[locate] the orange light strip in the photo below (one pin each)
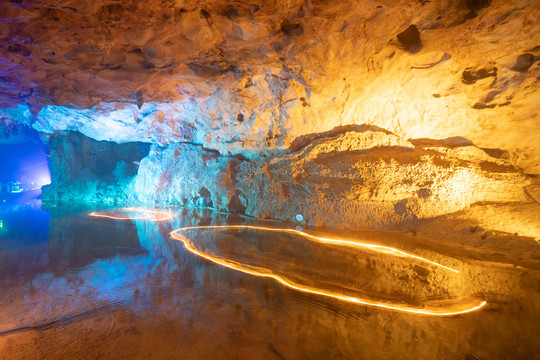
(293, 285)
(152, 215)
(323, 240)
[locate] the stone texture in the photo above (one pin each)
(85, 169)
(375, 180)
(410, 39)
(355, 178)
(360, 114)
(172, 71)
(13, 132)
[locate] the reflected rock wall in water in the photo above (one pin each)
(75, 242)
(360, 273)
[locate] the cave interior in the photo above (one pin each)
(414, 124)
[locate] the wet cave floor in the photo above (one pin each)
(119, 286)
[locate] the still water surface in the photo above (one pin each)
(78, 287)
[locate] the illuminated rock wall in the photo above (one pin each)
(85, 169)
(13, 132)
(354, 176)
(359, 177)
(374, 179)
(277, 108)
(187, 174)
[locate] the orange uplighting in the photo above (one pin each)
(261, 272)
(140, 214)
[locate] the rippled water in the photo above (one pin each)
(78, 287)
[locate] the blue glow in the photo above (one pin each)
(24, 167)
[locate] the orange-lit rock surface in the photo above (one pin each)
(241, 77)
(354, 177)
(357, 114)
(369, 179)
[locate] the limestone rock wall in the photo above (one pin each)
(355, 177)
(13, 132)
(187, 174)
(351, 113)
(85, 169)
(374, 179)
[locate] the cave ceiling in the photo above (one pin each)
(251, 77)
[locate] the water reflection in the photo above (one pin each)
(94, 287)
(351, 271)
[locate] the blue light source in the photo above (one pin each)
(24, 167)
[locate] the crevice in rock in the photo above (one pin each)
(304, 140)
(236, 205)
(410, 39)
(524, 62)
(471, 75)
(474, 6)
(452, 142)
(291, 29)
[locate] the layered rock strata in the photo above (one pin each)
(357, 177)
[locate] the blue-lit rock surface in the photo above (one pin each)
(85, 169)
(186, 174)
(15, 132)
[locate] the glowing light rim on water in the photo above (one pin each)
(291, 284)
(151, 215)
(261, 272)
(340, 242)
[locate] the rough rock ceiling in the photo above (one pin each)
(249, 77)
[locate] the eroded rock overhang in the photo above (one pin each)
(250, 77)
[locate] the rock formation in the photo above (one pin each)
(358, 177)
(358, 114)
